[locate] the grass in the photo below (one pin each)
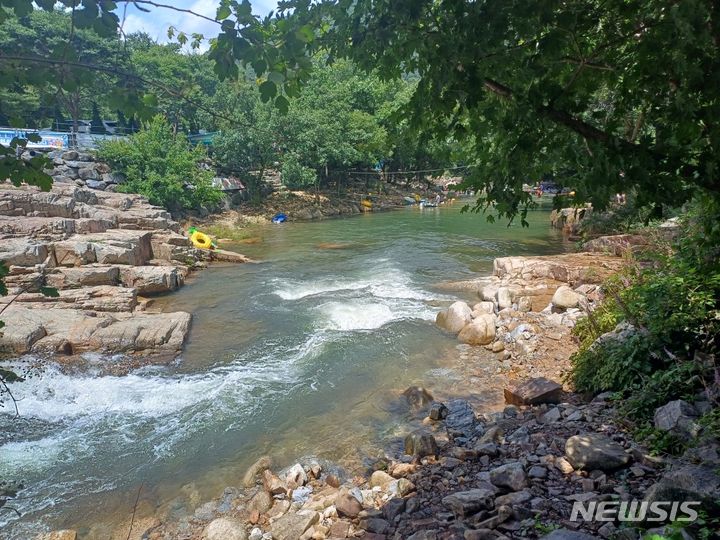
(235, 234)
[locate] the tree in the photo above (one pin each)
(247, 145)
(56, 46)
(96, 124)
(190, 75)
(59, 123)
(122, 124)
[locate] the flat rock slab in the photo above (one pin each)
(687, 482)
(116, 246)
(595, 451)
(534, 392)
(223, 255)
(75, 331)
(572, 268)
(161, 332)
(83, 276)
(98, 298)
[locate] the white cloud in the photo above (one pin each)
(158, 20)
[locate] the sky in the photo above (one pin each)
(156, 22)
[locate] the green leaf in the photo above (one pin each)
(282, 104)
(50, 292)
(276, 77)
(223, 12)
(268, 90)
(305, 34)
(150, 100)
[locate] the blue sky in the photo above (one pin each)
(156, 22)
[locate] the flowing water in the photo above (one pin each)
(302, 354)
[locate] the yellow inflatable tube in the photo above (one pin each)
(200, 240)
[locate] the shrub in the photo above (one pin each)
(673, 307)
(164, 167)
(294, 174)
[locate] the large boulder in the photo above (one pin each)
(511, 476)
(295, 476)
(460, 420)
(381, 479)
(22, 252)
(347, 505)
(678, 417)
(595, 451)
(250, 477)
(163, 333)
(454, 318)
(225, 529)
(687, 483)
(504, 298)
(534, 392)
(467, 503)
(481, 331)
(420, 443)
(83, 276)
(292, 525)
(483, 307)
(617, 244)
(566, 298)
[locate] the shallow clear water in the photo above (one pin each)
(304, 353)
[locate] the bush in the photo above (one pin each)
(294, 174)
(623, 218)
(163, 167)
(673, 309)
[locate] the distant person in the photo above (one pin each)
(438, 199)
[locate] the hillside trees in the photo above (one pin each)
(341, 121)
(47, 37)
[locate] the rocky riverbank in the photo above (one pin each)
(307, 205)
(82, 266)
(512, 470)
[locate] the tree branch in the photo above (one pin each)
(167, 6)
(593, 134)
(121, 74)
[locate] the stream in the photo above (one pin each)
(303, 354)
